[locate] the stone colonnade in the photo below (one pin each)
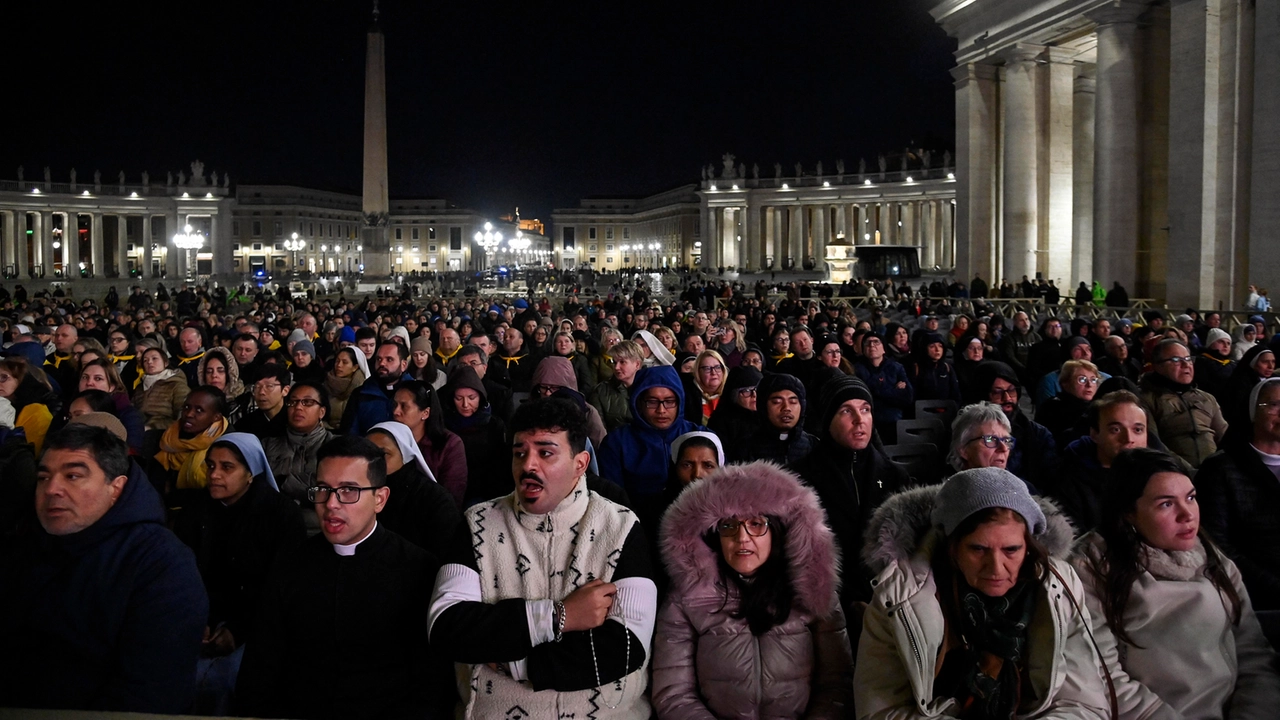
(765, 229)
(42, 242)
(1130, 141)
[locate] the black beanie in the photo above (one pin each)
(772, 383)
(836, 392)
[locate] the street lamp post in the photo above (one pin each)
(489, 240)
(519, 244)
(295, 245)
(190, 241)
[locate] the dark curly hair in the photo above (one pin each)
(553, 414)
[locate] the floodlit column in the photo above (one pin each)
(795, 249)
(728, 238)
(977, 105)
(146, 246)
(1058, 74)
(1021, 131)
(22, 255)
(770, 236)
(710, 238)
(71, 245)
(122, 246)
(805, 229)
(10, 238)
(851, 233)
(819, 235)
(220, 246)
(99, 256)
(1264, 211)
(44, 231)
(950, 243)
(753, 239)
(172, 268)
(909, 224)
(1082, 178)
(886, 215)
(1116, 149)
(928, 238)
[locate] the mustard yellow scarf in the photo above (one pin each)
(186, 455)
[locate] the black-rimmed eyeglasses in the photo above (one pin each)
(756, 527)
(347, 494)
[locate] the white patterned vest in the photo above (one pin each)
(519, 555)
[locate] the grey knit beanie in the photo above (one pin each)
(969, 491)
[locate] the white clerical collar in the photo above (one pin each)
(349, 550)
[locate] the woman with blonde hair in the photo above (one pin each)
(730, 343)
(709, 376)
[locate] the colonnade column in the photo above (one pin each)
(929, 237)
(45, 233)
(10, 239)
(950, 242)
(753, 243)
(769, 239)
(1059, 73)
(909, 224)
(851, 235)
(1082, 105)
(1115, 149)
(122, 246)
(97, 254)
(819, 236)
(1019, 161)
(1264, 210)
(885, 214)
(977, 103)
(795, 238)
(146, 247)
(21, 255)
(728, 238)
(172, 266)
(710, 238)
(71, 245)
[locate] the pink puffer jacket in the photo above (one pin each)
(706, 663)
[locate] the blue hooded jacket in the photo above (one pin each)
(636, 455)
(108, 618)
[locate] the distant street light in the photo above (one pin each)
(191, 242)
(295, 245)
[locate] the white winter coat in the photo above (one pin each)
(1192, 662)
(904, 628)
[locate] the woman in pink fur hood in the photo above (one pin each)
(752, 626)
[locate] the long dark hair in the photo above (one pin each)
(1035, 566)
(1121, 565)
(425, 396)
(765, 600)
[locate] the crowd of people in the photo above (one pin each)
(713, 506)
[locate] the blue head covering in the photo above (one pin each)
(636, 456)
(251, 450)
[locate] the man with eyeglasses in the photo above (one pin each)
(1187, 418)
(1035, 451)
(548, 594)
(293, 455)
(636, 456)
(887, 380)
(343, 626)
(267, 419)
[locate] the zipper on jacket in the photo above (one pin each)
(911, 638)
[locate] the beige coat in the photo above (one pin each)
(904, 628)
(1190, 662)
(161, 404)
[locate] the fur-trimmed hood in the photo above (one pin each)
(758, 488)
(903, 526)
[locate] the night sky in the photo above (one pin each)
(536, 105)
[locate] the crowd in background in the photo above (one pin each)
(907, 508)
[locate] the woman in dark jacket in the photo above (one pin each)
(1257, 365)
(468, 415)
(419, 509)
(417, 405)
(236, 527)
(931, 375)
(735, 419)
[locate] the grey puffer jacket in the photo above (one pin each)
(904, 630)
(706, 663)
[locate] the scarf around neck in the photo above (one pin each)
(994, 631)
(1180, 565)
(186, 455)
(149, 381)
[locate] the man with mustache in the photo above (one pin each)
(550, 587)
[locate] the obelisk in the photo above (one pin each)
(374, 234)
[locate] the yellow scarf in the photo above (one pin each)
(186, 455)
(56, 360)
(121, 358)
(513, 359)
(780, 358)
(185, 360)
(446, 358)
(275, 345)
